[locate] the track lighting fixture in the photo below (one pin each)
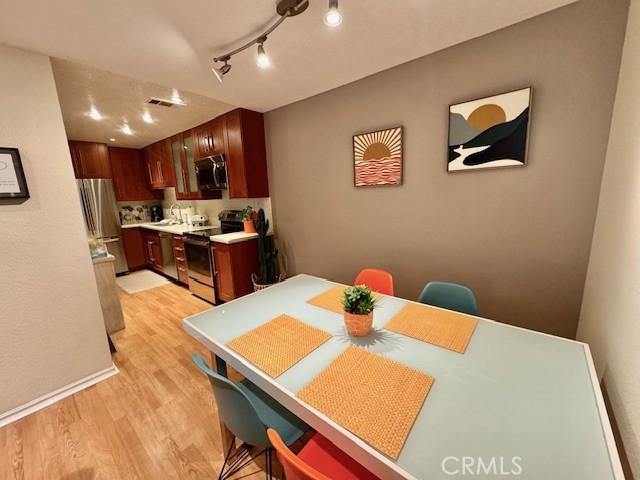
(284, 8)
(333, 18)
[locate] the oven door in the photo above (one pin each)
(200, 269)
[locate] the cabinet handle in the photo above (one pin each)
(182, 269)
(180, 259)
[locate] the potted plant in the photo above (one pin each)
(358, 303)
(267, 255)
(248, 216)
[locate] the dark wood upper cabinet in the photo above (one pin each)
(158, 165)
(90, 160)
(129, 178)
(246, 154)
(209, 138)
(184, 155)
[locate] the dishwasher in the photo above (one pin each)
(168, 258)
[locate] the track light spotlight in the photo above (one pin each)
(220, 72)
(333, 18)
(263, 58)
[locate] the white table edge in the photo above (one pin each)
(614, 456)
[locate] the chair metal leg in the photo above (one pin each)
(269, 463)
(240, 461)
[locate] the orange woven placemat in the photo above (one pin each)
(376, 398)
(439, 327)
(329, 299)
(279, 344)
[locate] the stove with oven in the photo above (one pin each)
(199, 252)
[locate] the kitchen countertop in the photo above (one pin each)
(108, 258)
(179, 229)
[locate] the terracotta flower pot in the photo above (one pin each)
(358, 325)
(248, 226)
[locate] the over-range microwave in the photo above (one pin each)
(211, 172)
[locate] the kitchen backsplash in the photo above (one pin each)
(134, 214)
(211, 208)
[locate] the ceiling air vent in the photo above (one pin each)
(164, 103)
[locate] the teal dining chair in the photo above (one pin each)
(248, 412)
(452, 296)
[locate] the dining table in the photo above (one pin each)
(514, 403)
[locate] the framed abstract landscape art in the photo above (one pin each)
(377, 158)
(491, 132)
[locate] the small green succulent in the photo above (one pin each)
(358, 300)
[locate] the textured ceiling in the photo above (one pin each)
(119, 99)
(171, 43)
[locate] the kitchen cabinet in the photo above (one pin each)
(134, 248)
(184, 156)
(89, 159)
(181, 259)
(245, 154)
(129, 179)
(234, 264)
(152, 249)
(159, 170)
(209, 138)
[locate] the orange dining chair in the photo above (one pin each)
(377, 280)
(318, 460)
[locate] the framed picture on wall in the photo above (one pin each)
(13, 185)
(377, 158)
(490, 132)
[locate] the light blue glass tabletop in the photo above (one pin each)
(517, 403)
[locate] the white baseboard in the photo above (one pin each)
(45, 400)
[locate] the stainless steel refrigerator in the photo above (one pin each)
(101, 217)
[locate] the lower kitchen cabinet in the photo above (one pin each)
(181, 259)
(234, 264)
(134, 248)
(152, 249)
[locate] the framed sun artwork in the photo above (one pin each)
(377, 158)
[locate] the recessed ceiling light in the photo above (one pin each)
(112, 139)
(126, 129)
(95, 114)
(176, 98)
(146, 116)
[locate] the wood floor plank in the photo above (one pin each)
(156, 419)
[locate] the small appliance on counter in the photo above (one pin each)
(199, 220)
(155, 212)
(199, 251)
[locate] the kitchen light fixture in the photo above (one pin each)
(176, 98)
(146, 117)
(220, 72)
(95, 114)
(126, 129)
(263, 58)
(112, 139)
(284, 8)
(333, 18)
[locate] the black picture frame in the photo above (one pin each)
(23, 190)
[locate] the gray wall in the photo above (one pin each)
(519, 237)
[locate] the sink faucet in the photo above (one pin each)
(179, 212)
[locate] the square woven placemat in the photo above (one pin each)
(375, 398)
(279, 344)
(329, 299)
(444, 328)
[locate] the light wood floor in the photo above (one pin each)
(156, 419)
